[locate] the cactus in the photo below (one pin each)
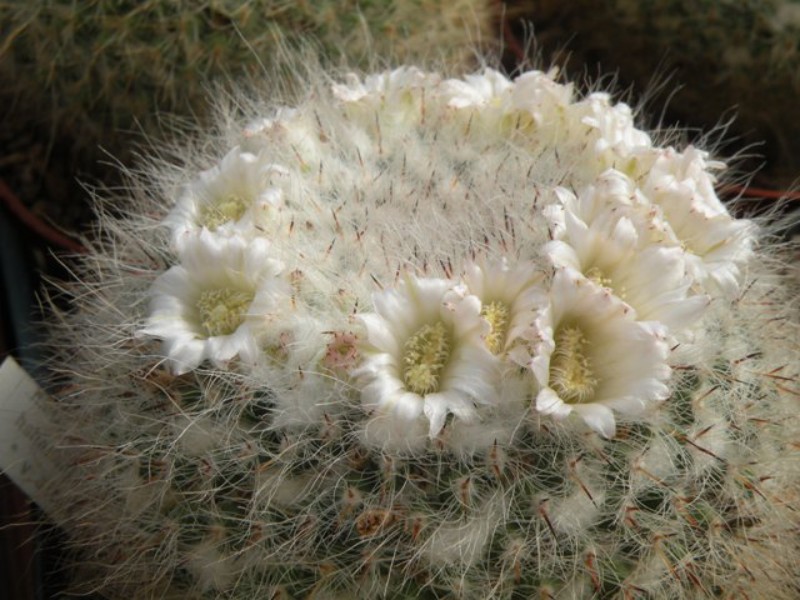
(96, 71)
(426, 336)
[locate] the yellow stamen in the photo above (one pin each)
(597, 275)
(223, 310)
(497, 315)
(571, 374)
(427, 353)
(222, 210)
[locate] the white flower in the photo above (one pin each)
(614, 137)
(234, 197)
(593, 358)
(604, 236)
(386, 105)
(424, 355)
(489, 88)
(541, 96)
(609, 191)
(689, 170)
(510, 297)
(388, 86)
(717, 245)
(530, 105)
(213, 304)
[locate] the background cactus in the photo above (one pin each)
(107, 67)
(724, 59)
(188, 472)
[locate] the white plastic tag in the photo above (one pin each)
(23, 448)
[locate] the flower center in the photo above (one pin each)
(222, 210)
(426, 355)
(571, 374)
(223, 310)
(497, 315)
(599, 276)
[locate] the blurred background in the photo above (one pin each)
(85, 85)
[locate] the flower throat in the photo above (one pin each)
(427, 353)
(223, 310)
(571, 373)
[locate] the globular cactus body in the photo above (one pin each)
(423, 337)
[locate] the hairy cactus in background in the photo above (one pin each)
(417, 336)
(726, 56)
(93, 70)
